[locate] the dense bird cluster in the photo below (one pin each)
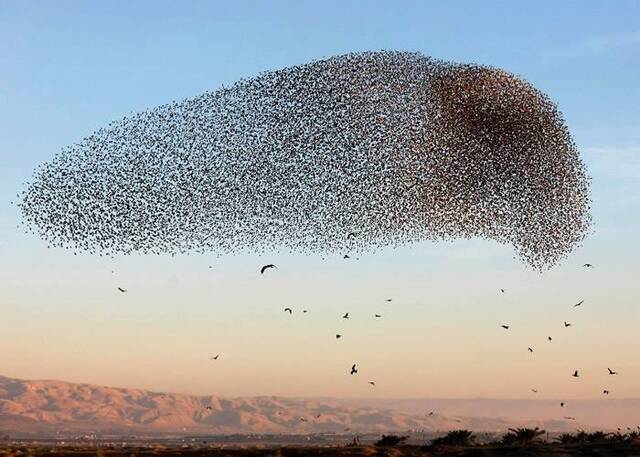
(353, 152)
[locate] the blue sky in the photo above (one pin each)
(68, 68)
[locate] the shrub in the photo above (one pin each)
(391, 440)
(455, 438)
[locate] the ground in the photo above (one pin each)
(104, 450)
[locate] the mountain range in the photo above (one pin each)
(50, 407)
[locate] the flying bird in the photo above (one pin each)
(389, 300)
(288, 310)
(530, 349)
(354, 370)
(570, 418)
(372, 383)
(549, 338)
(346, 257)
(502, 290)
(535, 391)
(214, 357)
(561, 404)
(506, 327)
(567, 324)
(578, 304)
(378, 315)
(606, 392)
(346, 316)
(122, 290)
(611, 371)
(266, 267)
(338, 336)
(588, 265)
(304, 310)
(575, 374)
(431, 413)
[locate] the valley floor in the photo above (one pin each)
(542, 450)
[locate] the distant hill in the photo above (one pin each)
(47, 407)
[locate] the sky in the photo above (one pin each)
(68, 68)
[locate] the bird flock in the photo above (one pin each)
(354, 367)
(346, 154)
(576, 373)
(357, 151)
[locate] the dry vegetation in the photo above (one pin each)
(516, 442)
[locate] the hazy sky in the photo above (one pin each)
(68, 68)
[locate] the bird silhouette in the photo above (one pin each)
(288, 310)
(606, 392)
(611, 371)
(588, 265)
(575, 374)
(389, 300)
(530, 349)
(215, 357)
(502, 290)
(378, 315)
(354, 370)
(372, 383)
(535, 391)
(266, 267)
(567, 324)
(570, 418)
(549, 338)
(561, 404)
(346, 256)
(506, 327)
(431, 413)
(338, 336)
(122, 290)
(346, 316)
(304, 310)
(578, 304)
(209, 408)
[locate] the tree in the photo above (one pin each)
(391, 440)
(522, 436)
(583, 437)
(455, 438)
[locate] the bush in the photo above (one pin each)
(455, 438)
(391, 440)
(522, 436)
